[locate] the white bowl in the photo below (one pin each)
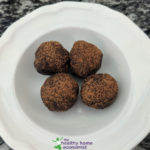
(26, 124)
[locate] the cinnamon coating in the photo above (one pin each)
(85, 58)
(59, 92)
(99, 90)
(51, 58)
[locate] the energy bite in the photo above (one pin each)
(59, 92)
(51, 57)
(85, 58)
(99, 90)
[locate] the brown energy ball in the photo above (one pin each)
(85, 58)
(99, 90)
(51, 58)
(59, 92)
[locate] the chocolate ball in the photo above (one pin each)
(85, 58)
(51, 57)
(99, 90)
(59, 92)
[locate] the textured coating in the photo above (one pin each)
(51, 58)
(99, 90)
(85, 58)
(59, 92)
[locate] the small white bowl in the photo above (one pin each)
(26, 124)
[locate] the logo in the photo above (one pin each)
(67, 144)
(58, 142)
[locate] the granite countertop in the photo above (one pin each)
(136, 10)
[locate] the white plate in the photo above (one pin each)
(26, 124)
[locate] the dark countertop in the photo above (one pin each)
(136, 10)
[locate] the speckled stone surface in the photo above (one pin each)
(136, 10)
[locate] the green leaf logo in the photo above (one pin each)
(58, 141)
